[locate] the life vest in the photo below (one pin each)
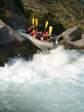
(30, 29)
(45, 35)
(39, 35)
(33, 33)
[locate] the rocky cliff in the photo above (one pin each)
(62, 14)
(12, 13)
(66, 12)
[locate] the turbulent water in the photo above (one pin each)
(51, 82)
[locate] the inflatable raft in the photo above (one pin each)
(43, 45)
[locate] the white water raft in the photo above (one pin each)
(38, 43)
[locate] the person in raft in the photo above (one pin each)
(47, 34)
(32, 27)
(33, 30)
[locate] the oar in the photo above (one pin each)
(50, 30)
(36, 22)
(46, 24)
(33, 21)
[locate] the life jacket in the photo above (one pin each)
(45, 35)
(30, 29)
(34, 33)
(39, 35)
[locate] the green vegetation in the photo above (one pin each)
(66, 12)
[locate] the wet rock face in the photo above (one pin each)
(8, 43)
(7, 34)
(13, 45)
(72, 34)
(12, 13)
(72, 38)
(16, 22)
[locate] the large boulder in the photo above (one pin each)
(16, 22)
(72, 38)
(7, 34)
(12, 13)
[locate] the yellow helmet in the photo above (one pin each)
(46, 24)
(36, 21)
(50, 30)
(33, 21)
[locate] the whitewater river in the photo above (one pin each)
(51, 82)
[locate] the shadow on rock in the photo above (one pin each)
(72, 38)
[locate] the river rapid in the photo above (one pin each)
(51, 82)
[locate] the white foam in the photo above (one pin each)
(60, 64)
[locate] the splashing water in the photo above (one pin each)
(52, 82)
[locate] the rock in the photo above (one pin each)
(7, 34)
(12, 45)
(82, 36)
(72, 38)
(79, 44)
(16, 22)
(72, 34)
(12, 13)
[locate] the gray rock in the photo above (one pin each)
(72, 38)
(16, 22)
(7, 34)
(82, 36)
(13, 14)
